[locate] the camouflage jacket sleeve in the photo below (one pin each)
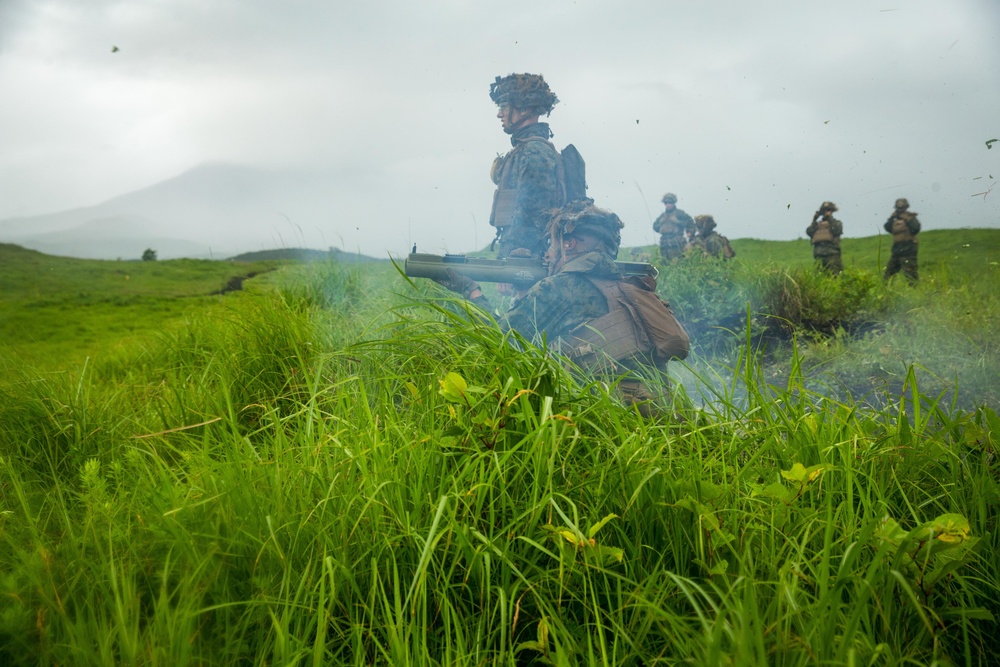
(555, 306)
(836, 227)
(685, 220)
(888, 224)
(913, 223)
(533, 173)
(811, 229)
(658, 222)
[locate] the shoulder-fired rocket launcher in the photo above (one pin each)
(515, 270)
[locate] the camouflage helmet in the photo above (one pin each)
(828, 206)
(581, 216)
(669, 198)
(524, 91)
(902, 203)
(705, 223)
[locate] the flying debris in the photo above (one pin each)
(114, 49)
(990, 142)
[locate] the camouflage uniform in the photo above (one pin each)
(572, 312)
(528, 178)
(708, 241)
(528, 188)
(824, 232)
(904, 227)
(673, 227)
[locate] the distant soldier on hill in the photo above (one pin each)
(904, 227)
(708, 241)
(825, 232)
(673, 226)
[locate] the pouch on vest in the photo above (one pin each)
(901, 231)
(668, 337)
(504, 207)
(637, 323)
(727, 250)
(822, 232)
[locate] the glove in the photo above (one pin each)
(457, 283)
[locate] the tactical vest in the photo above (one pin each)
(671, 226)
(901, 230)
(638, 323)
(570, 175)
(822, 232)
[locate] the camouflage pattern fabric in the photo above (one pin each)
(904, 252)
(673, 227)
(529, 174)
(553, 307)
(827, 252)
(713, 244)
(556, 305)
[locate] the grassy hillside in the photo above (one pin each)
(337, 467)
(59, 310)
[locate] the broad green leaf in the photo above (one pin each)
(813, 472)
(891, 531)
(776, 490)
(720, 567)
(453, 387)
(600, 524)
(797, 473)
(607, 554)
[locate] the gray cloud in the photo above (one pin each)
(752, 112)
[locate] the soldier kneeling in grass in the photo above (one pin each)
(608, 324)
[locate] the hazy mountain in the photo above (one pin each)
(211, 210)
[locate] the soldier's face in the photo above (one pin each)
(511, 118)
(670, 205)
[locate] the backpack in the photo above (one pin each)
(571, 174)
(638, 322)
(727, 250)
(574, 173)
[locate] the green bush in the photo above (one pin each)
(712, 299)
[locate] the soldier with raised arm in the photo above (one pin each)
(904, 227)
(824, 233)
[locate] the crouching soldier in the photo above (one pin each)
(608, 324)
(708, 241)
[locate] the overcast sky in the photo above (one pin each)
(753, 112)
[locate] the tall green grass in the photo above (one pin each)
(262, 487)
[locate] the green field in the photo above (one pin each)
(333, 465)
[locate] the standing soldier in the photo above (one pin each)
(710, 241)
(904, 227)
(528, 178)
(673, 225)
(825, 232)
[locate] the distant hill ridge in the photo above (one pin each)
(304, 254)
(211, 211)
